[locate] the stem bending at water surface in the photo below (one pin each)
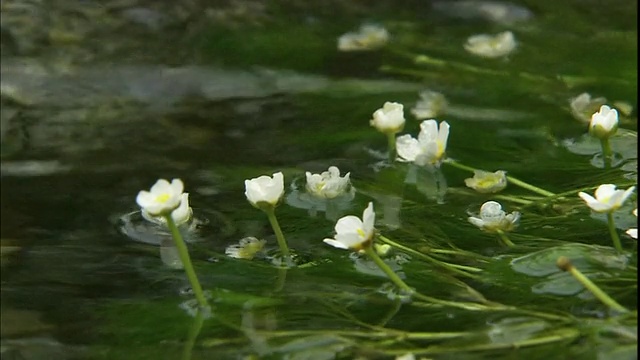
(186, 261)
(510, 179)
(505, 239)
(607, 153)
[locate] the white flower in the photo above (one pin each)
(353, 233)
(369, 37)
(329, 184)
(389, 119)
(583, 106)
(491, 46)
(607, 198)
(604, 123)
(487, 182)
(429, 148)
(247, 248)
(633, 232)
(163, 197)
(430, 105)
(264, 190)
(493, 218)
(180, 215)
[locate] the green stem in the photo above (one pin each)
(282, 243)
(186, 261)
(282, 277)
(513, 199)
(391, 147)
(566, 265)
(607, 153)
(194, 331)
(505, 239)
(614, 232)
(387, 270)
(458, 269)
(510, 179)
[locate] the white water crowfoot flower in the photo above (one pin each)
(264, 191)
(353, 233)
(633, 232)
(493, 219)
(389, 118)
(181, 215)
(430, 146)
(487, 182)
(329, 184)
(491, 46)
(369, 37)
(163, 198)
(604, 123)
(607, 198)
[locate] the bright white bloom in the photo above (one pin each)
(604, 123)
(353, 233)
(369, 37)
(583, 106)
(607, 198)
(430, 105)
(265, 190)
(491, 46)
(389, 119)
(429, 148)
(493, 218)
(487, 182)
(180, 215)
(633, 232)
(163, 197)
(329, 184)
(247, 248)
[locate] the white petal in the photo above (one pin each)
(160, 187)
(443, 134)
(348, 224)
(335, 243)
(476, 221)
(633, 233)
(604, 191)
(350, 240)
(407, 148)
(368, 220)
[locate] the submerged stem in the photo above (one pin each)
(565, 265)
(614, 232)
(194, 331)
(391, 147)
(387, 270)
(186, 261)
(282, 243)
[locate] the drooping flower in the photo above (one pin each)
(633, 232)
(163, 197)
(583, 106)
(430, 146)
(368, 37)
(491, 46)
(329, 184)
(487, 182)
(180, 215)
(607, 198)
(265, 190)
(604, 123)
(430, 105)
(354, 233)
(389, 119)
(492, 218)
(246, 248)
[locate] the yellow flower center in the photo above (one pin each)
(361, 233)
(163, 198)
